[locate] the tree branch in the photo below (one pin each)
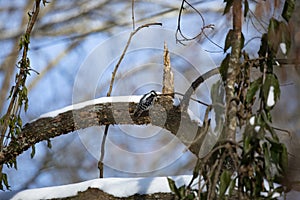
(187, 96)
(100, 163)
(177, 122)
(233, 71)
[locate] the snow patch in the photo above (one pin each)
(257, 128)
(271, 98)
(135, 98)
(252, 120)
(193, 117)
(118, 187)
(283, 47)
(176, 101)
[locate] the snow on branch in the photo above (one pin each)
(104, 111)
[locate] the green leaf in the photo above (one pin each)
(276, 149)
(280, 190)
(270, 128)
(190, 196)
(242, 41)
(25, 91)
(14, 163)
(33, 151)
(2, 120)
(246, 8)
(173, 187)
(231, 187)
(228, 6)
(182, 191)
(203, 195)
(247, 144)
(263, 46)
(284, 158)
(224, 67)
(228, 40)
(224, 182)
(247, 183)
(19, 121)
(5, 181)
(288, 9)
(267, 160)
(254, 86)
(26, 105)
(258, 181)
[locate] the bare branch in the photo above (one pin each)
(179, 31)
(124, 52)
(132, 14)
(100, 163)
(120, 113)
(194, 86)
(168, 77)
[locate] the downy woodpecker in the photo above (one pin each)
(145, 103)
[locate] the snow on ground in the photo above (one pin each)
(118, 187)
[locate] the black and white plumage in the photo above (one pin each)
(145, 103)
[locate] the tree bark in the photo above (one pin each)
(173, 120)
(233, 71)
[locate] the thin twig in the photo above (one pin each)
(179, 31)
(211, 41)
(100, 163)
(132, 14)
(196, 100)
(124, 52)
(211, 189)
(259, 21)
(194, 86)
(282, 130)
(216, 176)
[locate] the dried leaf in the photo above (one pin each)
(273, 35)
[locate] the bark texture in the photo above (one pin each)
(173, 120)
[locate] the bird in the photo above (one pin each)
(145, 103)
